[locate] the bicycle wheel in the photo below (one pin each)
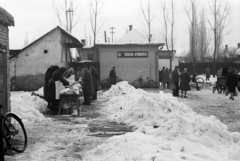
(14, 132)
(200, 80)
(151, 84)
(105, 84)
(137, 84)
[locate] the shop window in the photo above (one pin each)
(90, 57)
(45, 51)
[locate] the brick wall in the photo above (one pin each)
(4, 40)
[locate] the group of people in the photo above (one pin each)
(180, 81)
(56, 79)
(165, 77)
(232, 79)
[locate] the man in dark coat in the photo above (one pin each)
(184, 84)
(87, 85)
(53, 89)
(113, 76)
(95, 78)
(175, 81)
(232, 83)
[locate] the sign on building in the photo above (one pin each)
(130, 54)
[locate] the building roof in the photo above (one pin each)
(6, 17)
(75, 44)
(133, 36)
(132, 44)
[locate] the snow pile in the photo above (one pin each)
(29, 108)
(166, 130)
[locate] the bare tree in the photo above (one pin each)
(218, 21)
(203, 37)
(169, 19)
(96, 7)
(191, 12)
(66, 12)
(148, 17)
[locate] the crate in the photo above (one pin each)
(68, 102)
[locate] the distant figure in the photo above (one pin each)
(219, 73)
(163, 75)
(175, 81)
(167, 77)
(194, 80)
(95, 78)
(87, 85)
(232, 83)
(160, 78)
(207, 72)
(113, 76)
(184, 82)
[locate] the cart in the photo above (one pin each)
(68, 102)
(220, 85)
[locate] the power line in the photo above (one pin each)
(112, 28)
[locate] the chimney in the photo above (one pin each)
(238, 45)
(130, 27)
(83, 42)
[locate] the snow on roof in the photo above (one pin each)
(133, 36)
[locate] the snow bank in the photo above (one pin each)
(166, 130)
(29, 108)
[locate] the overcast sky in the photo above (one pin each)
(36, 17)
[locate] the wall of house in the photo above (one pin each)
(87, 52)
(129, 69)
(4, 71)
(28, 68)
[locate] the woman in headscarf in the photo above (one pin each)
(95, 78)
(55, 86)
(48, 76)
(184, 82)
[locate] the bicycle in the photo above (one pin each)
(140, 83)
(13, 131)
(106, 83)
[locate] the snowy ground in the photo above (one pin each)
(165, 128)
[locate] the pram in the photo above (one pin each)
(220, 85)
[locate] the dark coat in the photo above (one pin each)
(113, 76)
(160, 76)
(208, 72)
(95, 77)
(47, 78)
(232, 82)
(57, 76)
(87, 83)
(185, 79)
(175, 76)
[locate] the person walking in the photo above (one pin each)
(163, 72)
(184, 82)
(207, 72)
(232, 83)
(167, 78)
(87, 84)
(113, 76)
(175, 81)
(55, 86)
(95, 78)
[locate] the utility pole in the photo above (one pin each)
(112, 28)
(69, 14)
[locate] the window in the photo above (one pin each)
(45, 51)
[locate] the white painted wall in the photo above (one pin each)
(33, 61)
(128, 69)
